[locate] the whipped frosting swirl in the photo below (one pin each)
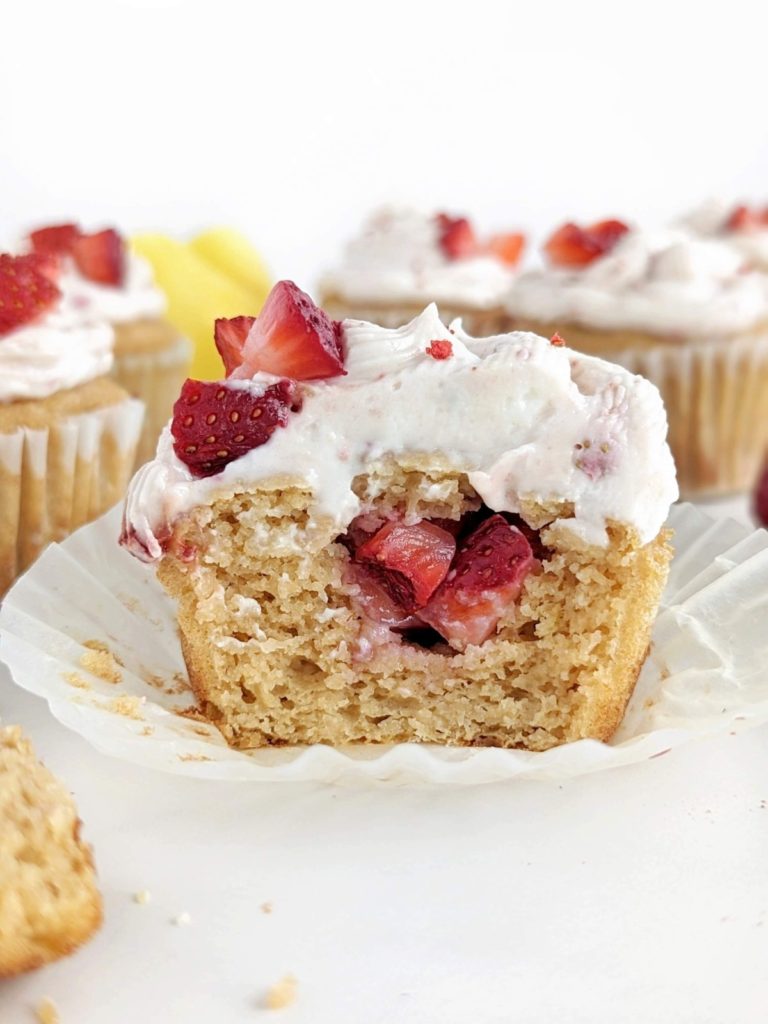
(56, 352)
(710, 220)
(136, 298)
(665, 282)
(397, 258)
(523, 418)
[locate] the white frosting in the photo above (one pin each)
(56, 352)
(710, 220)
(667, 282)
(522, 417)
(137, 297)
(397, 258)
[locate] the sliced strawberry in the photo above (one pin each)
(408, 562)
(229, 335)
(487, 575)
(573, 246)
(100, 257)
(746, 218)
(213, 423)
(439, 349)
(506, 248)
(292, 337)
(56, 240)
(27, 289)
(374, 601)
(761, 498)
(456, 237)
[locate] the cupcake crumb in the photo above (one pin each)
(126, 705)
(266, 908)
(182, 919)
(281, 994)
(101, 662)
(143, 896)
(46, 1012)
(76, 680)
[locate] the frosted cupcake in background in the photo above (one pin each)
(103, 280)
(742, 226)
(686, 313)
(404, 259)
(68, 432)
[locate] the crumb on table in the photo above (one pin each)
(46, 1012)
(266, 908)
(182, 919)
(142, 896)
(281, 994)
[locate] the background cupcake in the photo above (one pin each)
(684, 312)
(404, 259)
(68, 432)
(740, 225)
(104, 280)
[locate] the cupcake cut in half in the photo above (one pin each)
(685, 312)
(382, 535)
(106, 282)
(403, 259)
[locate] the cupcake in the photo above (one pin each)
(383, 535)
(684, 312)
(68, 432)
(404, 259)
(49, 900)
(106, 281)
(744, 227)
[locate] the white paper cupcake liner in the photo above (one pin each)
(707, 672)
(716, 395)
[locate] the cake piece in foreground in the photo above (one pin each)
(49, 902)
(381, 535)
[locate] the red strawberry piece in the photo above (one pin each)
(456, 237)
(761, 498)
(100, 257)
(486, 577)
(229, 335)
(506, 248)
(57, 239)
(292, 337)
(557, 340)
(27, 290)
(439, 349)
(573, 246)
(408, 562)
(374, 601)
(213, 423)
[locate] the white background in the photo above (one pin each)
(291, 120)
(634, 897)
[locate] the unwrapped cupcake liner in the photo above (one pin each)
(716, 395)
(155, 378)
(90, 629)
(55, 479)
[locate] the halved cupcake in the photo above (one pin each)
(684, 312)
(383, 535)
(68, 432)
(105, 281)
(404, 259)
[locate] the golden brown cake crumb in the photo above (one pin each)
(46, 1012)
(102, 664)
(143, 896)
(282, 993)
(126, 705)
(266, 908)
(76, 680)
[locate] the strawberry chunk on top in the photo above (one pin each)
(747, 218)
(409, 562)
(100, 257)
(487, 575)
(229, 335)
(27, 289)
(506, 248)
(456, 237)
(214, 424)
(574, 246)
(292, 337)
(57, 239)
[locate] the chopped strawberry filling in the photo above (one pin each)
(456, 237)
(761, 498)
(486, 578)
(27, 289)
(229, 335)
(506, 248)
(291, 337)
(213, 423)
(409, 562)
(574, 246)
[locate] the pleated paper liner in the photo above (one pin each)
(90, 629)
(53, 480)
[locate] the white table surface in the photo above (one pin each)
(638, 895)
